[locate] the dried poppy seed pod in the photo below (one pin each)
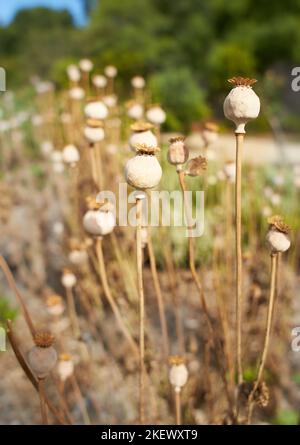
(156, 115)
(99, 220)
(47, 148)
(142, 134)
(55, 305)
(99, 81)
(70, 155)
(96, 109)
(36, 121)
(73, 73)
(143, 171)
(93, 131)
(277, 235)
(178, 373)
(138, 82)
(78, 257)
(86, 65)
(196, 166)
(65, 367)
(77, 93)
(42, 357)
(110, 71)
(68, 279)
(241, 104)
(210, 133)
(44, 87)
(56, 156)
(230, 170)
(135, 110)
(178, 153)
(110, 101)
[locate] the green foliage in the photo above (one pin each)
(287, 417)
(227, 59)
(6, 311)
(35, 39)
(201, 42)
(183, 108)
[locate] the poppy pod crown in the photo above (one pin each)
(43, 339)
(144, 149)
(94, 123)
(211, 126)
(176, 139)
(276, 222)
(176, 360)
(242, 81)
(53, 300)
(141, 126)
(92, 204)
(65, 357)
(106, 207)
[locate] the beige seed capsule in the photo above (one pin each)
(178, 153)
(42, 357)
(241, 104)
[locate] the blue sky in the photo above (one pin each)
(8, 8)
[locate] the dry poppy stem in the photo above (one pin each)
(110, 299)
(228, 233)
(72, 312)
(12, 284)
(19, 356)
(159, 296)
(99, 167)
(176, 298)
(60, 388)
(86, 81)
(262, 363)
(41, 391)
(178, 407)
(139, 263)
(93, 162)
(80, 399)
(127, 276)
(238, 253)
(74, 172)
(214, 338)
(208, 380)
(224, 319)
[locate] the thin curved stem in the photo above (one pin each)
(262, 363)
(214, 338)
(72, 312)
(12, 284)
(80, 399)
(167, 252)
(110, 299)
(159, 296)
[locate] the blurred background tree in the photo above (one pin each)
(191, 45)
